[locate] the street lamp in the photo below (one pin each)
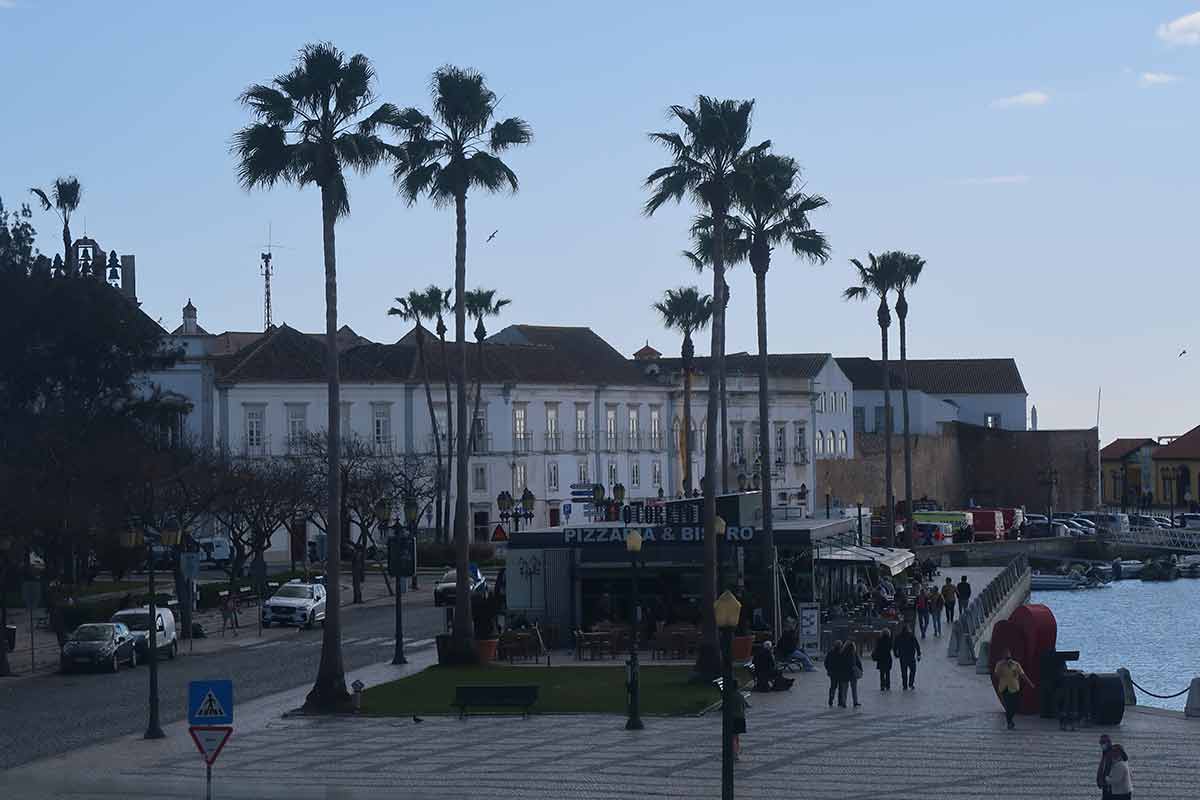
(597, 502)
(136, 538)
(406, 545)
(633, 545)
(859, 502)
(5, 545)
(728, 611)
(828, 500)
(719, 528)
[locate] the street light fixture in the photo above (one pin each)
(633, 545)
(408, 544)
(598, 502)
(134, 538)
(728, 612)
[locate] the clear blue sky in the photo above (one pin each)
(1040, 156)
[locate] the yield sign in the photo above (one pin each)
(499, 535)
(210, 739)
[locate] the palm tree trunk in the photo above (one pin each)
(478, 393)
(329, 692)
(764, 442)
(437, 442)
(68, 256)
(902, 313)
(444, 479)
(890, 516)
(463, 632)
(687, 416)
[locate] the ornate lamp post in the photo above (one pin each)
(515, 511)
(135, 537)
(728, 611)
(526, 509)
(598, 502)
(633, 545)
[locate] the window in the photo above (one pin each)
(991, 420)
(552, 418)
(478, 432)
(656, 425)
(656, 473)
(842, 439)
(479, 477)
(610, 427)
(552, 476)
(344, 418)
(843, 403)
(440, 416)
(255, 430)
(520, 432)
(581, 474)
(519, 482)
(860, 419)
(879, 416)
(820, 443)
(780, 443)
(739, 443)
(829, 443)
(635, 426)
(581, 423)
(821, 404)
(381, 425)
(612, 473)
(800, 446)
(297, 424)
(635, 473)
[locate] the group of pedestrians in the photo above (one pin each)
(905, 648)
(845, 669)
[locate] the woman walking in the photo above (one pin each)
(853, 668)
(882, 656)
(935, 610)
(1119, 778)
(922, 610)
(835, 661)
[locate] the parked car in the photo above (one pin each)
(1043, 530)
(1187, 521)
(1163, 522)
(98, 644)
(295, 603)
(1143, 521)
(137, 620)
(1031, 518)
(444, 590)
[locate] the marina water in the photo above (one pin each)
(1150, 628)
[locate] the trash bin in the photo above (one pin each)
(1107, 698)
(443, 641)
(10, 637)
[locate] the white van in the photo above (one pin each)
(138, 621)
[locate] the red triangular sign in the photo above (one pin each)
(499, 535)
(210, 739)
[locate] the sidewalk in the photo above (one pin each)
(46, 650)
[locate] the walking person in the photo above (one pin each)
(949, 596)
(882, 656)
(737, 716)
(922, 610)
(908, 651)
(964, 593)
(854, 669)
(228, 615)
(935, 610)
(835, 661)
(1009, 675)
(1105, 765)
(1119, 779)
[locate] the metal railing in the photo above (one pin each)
(655, 441)
(431, 441)
(983, 605)
(633, 441)
(553, 442)
(611, 442)
(800, 456)
(257, 448)
(583, 442)
(1184, 539)
(383, 445)
(297, 445)
(481, 443)
(522, 442)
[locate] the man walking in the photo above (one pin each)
(964, 593)
(949, 597)
(908, 650)
(1009, 675)
(1105, 765)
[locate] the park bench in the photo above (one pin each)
(522, 697)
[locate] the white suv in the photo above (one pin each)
(295, 603)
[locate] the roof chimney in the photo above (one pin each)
(190, 327)
(647, 353)
(129, 277)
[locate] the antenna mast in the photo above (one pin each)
(266, 273)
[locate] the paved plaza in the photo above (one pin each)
(946, 740)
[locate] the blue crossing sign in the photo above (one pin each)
(210, 702)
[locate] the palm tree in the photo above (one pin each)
(704, 158)
(908, 268)
(440, 298)
(877, 280)
(418, 307)
(687, 311)
(63, 199)
(771, 209)
(445, 158)
(311, 124)
(481, 303)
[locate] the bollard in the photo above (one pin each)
(1127, 682)
(1193, 699)
(952, 644)
(356, 697)
(966, 651)
(981, 665)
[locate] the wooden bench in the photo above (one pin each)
(522, 697)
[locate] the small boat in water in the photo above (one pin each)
(1165, 568)
(1128, 568)
(1072, 580)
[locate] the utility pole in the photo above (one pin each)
(1049, 478)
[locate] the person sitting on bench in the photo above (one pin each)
(768, 677)
(789, 650)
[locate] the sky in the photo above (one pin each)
(1039, 156)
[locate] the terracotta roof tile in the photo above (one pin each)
(938, 376)
(1185, 448)
(1120, 448)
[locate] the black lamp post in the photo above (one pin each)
(828, 500)
(633, 544)
(514, 511)
(598, 502)
(136, 538)
(618, 496)
(728, 611)
(1172, 487)
(410, 521)
(859, 502)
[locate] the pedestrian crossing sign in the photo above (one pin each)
(210, 702)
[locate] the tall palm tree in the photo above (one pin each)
(877, 280)
(418, 307)
(311, 124)
(63, 199)
(771, 209)
(481, 304)
(908, 268)
(445, 157)
(440, 298)
(687, 311)
(704, 157)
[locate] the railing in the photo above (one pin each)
(1186, 539)
(583, 442)
(553, 442)
(654, 441)
(481, 443)
(800, 456)
(979, 611)
(383, 445)
(612, 442)
(431, 443)
(297, 445)
(258, 448)
(522, 442)
(633, 441)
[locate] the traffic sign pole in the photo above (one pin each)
(208, 782)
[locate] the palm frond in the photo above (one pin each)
(510, 133)
(486, 170)
(856, 293)
(270, 104)
(385, 114)
(359, 151)
(264, 156)
(352, 91)
(46, 204)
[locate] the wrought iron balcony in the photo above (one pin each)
(553, 442)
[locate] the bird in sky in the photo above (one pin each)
(1182, 353)
(493, 236)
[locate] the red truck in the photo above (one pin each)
(996, 524)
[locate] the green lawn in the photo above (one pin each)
(601, 690)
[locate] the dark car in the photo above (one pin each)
(444, 590)
(99, 644)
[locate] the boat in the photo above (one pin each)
(1160, 569)
(1189, 566)
(1129, 568)
(1041, 581)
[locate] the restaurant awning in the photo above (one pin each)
(893, 559)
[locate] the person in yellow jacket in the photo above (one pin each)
(1009, 675)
